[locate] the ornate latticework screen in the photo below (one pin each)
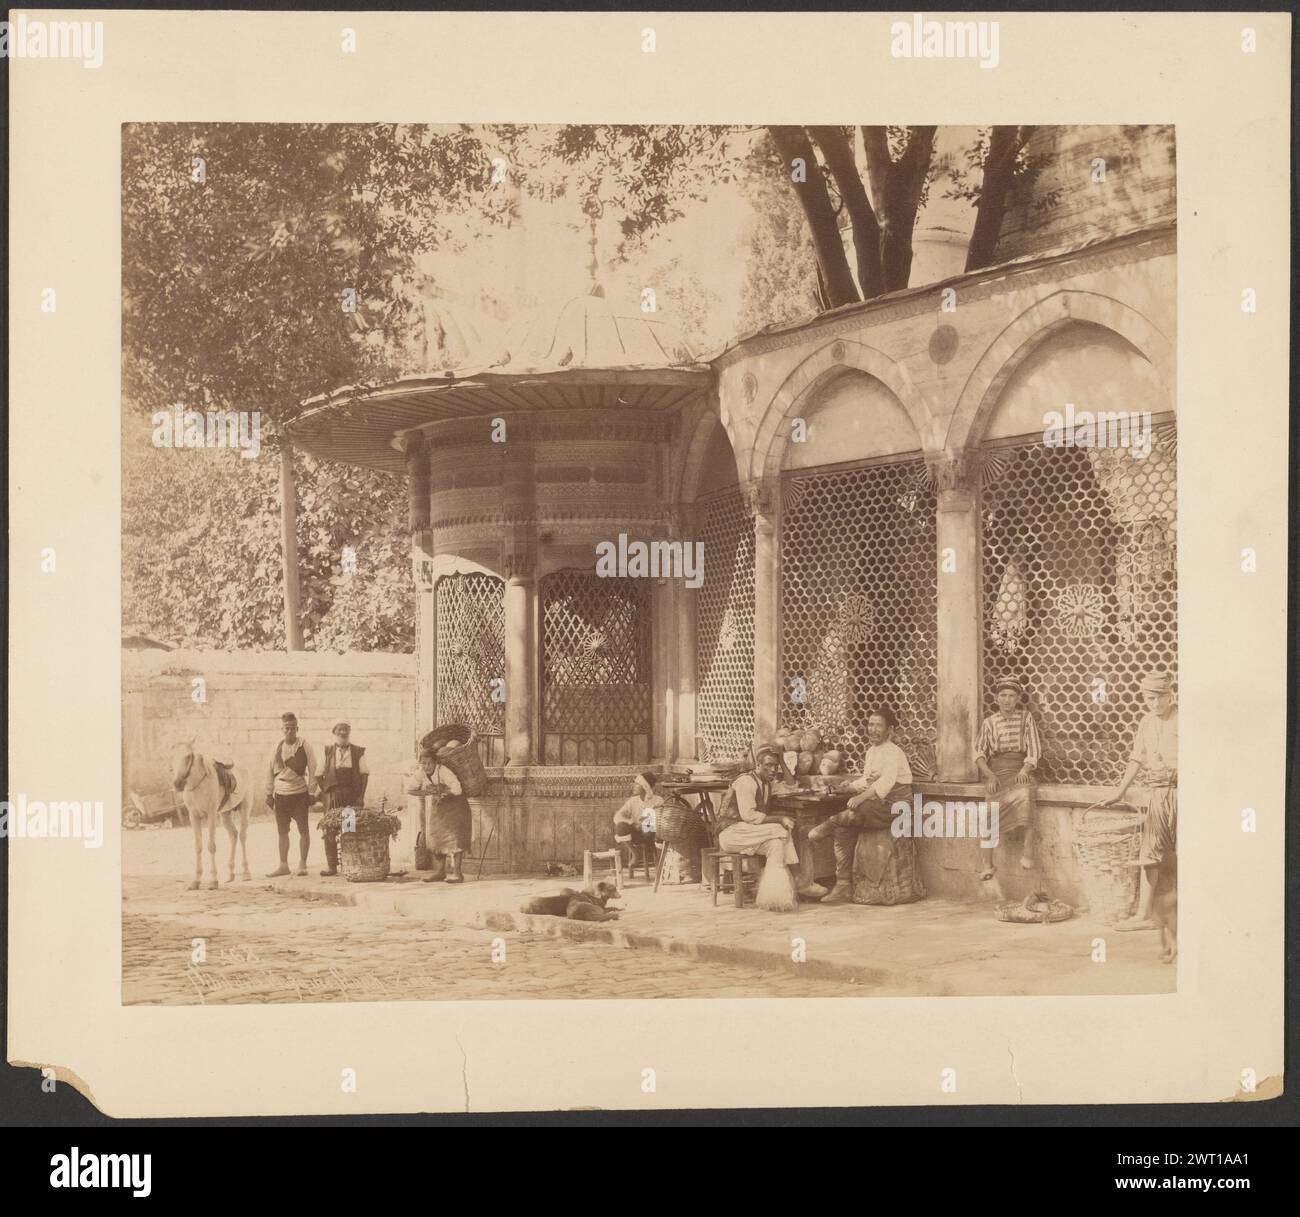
(595, 669)
(859, 604)
(1080, 591)
(724, 639)
(471, 655)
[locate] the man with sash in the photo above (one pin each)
(290, 784)
(343, 784)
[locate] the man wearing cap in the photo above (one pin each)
(290, 783)
(744, 826)
(343, 784)
(1007, 754)
(1155, 751)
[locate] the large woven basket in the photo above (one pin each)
(673, 820)
(1107, 848)
(364, 856)
(463, 760)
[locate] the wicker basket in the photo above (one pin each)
(364, 856)
(1106, 849)
(672, 820)
(463, 760)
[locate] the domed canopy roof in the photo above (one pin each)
(588, 354)
(590, 332)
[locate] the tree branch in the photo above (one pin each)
(1005, 144)
(793, 143)
(838, 152)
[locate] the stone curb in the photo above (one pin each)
(392, 899)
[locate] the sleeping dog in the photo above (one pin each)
(577, 906)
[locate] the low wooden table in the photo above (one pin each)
(809, 808)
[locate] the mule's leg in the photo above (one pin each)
(196, 826)
(212, 847)
(243, 838)
(228, 820)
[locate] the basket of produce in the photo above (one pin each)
(457, 748)
(364, 837)
(1038, 908)
(1106, 844)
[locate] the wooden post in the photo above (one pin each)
(289, 549)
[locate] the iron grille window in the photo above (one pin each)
(471, 651)
(1080, 591)
(859, 597)
(724, 639)
(595, 669)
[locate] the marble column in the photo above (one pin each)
(426, 630)
(956, 479)
(520, 611)
(762, 499)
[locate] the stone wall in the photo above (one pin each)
(232, 702)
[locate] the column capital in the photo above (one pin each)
(954, 469)
(760, 497)
(518, 560)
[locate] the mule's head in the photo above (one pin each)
(183, 760)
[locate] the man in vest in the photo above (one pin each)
(343, 784)
(291, 781)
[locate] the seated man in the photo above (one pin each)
(886, 778)
(746, 827)
(634, 822)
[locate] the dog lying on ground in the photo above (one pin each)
(1164, 908)
(576, 905)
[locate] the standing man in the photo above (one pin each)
(290, 783)
(343, 784)
(1155, 750)
(886, 779)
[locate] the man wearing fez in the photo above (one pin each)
(1155, 753)
(343, 784)
(290, 783)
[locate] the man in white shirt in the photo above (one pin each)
(886, 778)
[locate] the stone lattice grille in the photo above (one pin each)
(595, 669)
(859, 604)
(1080, 592)
(725, 629)
(471, 651)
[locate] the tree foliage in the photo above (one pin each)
(239, 244)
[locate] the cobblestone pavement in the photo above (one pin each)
(259, 945)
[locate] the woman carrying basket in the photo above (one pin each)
(448, 825)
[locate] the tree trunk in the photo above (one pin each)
(793, 143)
(289, 549)
(999, 168)
(903, 186)
(838, 152)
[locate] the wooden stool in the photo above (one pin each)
(713, 861)
(596, 864)
(639, 855)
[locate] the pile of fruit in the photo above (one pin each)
(807, 753)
